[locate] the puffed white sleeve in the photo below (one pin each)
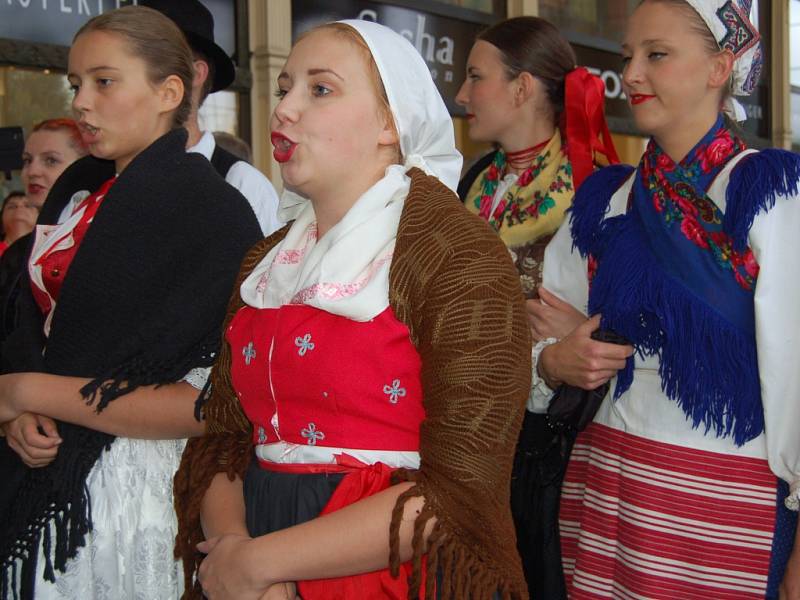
(775, 241)
(564, 274)
(565, 270)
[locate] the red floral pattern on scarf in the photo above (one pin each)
(672, 188)
(509, 209)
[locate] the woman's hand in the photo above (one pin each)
(790, 586)
(581, 361)
(34, 448)
(549, 316)
(231, 570)
(281, 591)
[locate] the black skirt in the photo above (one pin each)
(275, 501)
(539, 466)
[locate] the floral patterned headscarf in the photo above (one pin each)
(729, 22)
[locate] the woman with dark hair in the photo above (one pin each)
(524, 93)
(120, 315)
(687, 482)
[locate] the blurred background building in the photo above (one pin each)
(35, 35)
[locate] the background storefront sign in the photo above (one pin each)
(443, 42)
(56, 21)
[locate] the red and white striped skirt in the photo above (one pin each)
(644, 519)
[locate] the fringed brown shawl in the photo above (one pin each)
(453, 284)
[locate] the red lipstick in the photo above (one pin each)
(640, 98)
(284, 147)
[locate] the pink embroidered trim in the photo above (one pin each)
(337, 291)
(294, 256)
(287, 257)
(262, 283)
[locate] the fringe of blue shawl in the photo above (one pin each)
(591, 204)
(707, 365)
(755, 184)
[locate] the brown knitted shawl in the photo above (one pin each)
(453, 284)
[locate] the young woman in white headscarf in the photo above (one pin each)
(686, 484)
(352, 445)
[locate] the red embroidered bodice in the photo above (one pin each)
(305, 376)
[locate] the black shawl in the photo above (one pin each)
(472, 174)
(142, 304)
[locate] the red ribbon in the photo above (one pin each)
(585, 128)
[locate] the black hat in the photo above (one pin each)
(197, 24)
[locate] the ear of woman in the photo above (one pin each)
(171, 92)
(388, 137)
(526, 88)
(721, 65)
(201, 73)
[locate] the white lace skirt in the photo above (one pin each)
(129, 553)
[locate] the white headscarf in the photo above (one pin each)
(729, 22)
(347, 271)
(426, 129)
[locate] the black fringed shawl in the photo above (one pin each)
(142, 304)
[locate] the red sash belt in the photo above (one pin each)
(360, 481)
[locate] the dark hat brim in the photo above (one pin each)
(224, 69)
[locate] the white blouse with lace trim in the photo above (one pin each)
(129, 552)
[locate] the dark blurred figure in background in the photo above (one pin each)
(235, 145)
(215, 71)
(18, 218)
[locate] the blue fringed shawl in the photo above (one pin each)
(672, 296)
